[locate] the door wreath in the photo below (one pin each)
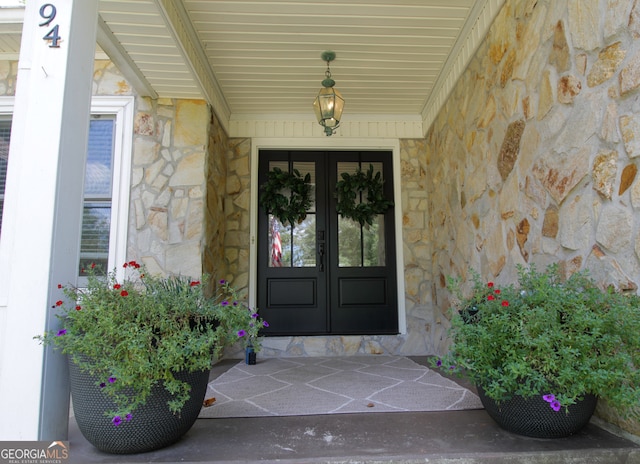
(286, 195)
(354, 203)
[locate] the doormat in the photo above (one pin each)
(332, 385)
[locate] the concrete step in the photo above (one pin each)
(426, 437)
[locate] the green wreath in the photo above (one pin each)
(349, 190)
(286, 195)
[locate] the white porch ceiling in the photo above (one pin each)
(261, 58)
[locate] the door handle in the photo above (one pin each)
(321, 253)
(321, 249)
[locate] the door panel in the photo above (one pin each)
(327, 275)
(292, 289)
(357, 292)
(292, 292)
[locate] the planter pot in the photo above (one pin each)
(152, 427)
(533, 417)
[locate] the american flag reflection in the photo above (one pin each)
(276, 244)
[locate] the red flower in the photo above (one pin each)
(116, 286)
(497, 291)
(194, 283)
(124, 293)
(93, 265)
(78, 308)
(505, 303)
(59, 285)
(490, 285)
(59, 303)
(125, 265)
(491, 298)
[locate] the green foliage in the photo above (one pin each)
(349, 191)
(548, 336)
(286, 195)
(133, 333)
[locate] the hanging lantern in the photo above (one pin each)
(329, 103)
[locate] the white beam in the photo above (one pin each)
(43, 213)
(119, 56)
(177, 20)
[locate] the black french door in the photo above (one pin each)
(328, 274)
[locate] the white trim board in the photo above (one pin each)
(392, 145)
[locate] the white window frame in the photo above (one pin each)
(123, 110)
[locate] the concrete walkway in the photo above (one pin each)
(422, 437)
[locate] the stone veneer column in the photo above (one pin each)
(168, 185)
(226, 254)
(166, 224)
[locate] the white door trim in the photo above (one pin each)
(328, 144)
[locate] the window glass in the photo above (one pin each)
(96, 217)
(5, 136)
(98, 174)
(96, 225)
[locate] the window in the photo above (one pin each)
(107, 177)
(98, 181)
(5, 135)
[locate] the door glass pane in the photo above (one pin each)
(349, 243)
(360, 246)
(294, 246)
(304, 242)
(282, 165)
(279, 249)
(304, 168)
(373, 240)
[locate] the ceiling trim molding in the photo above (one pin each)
(473, 33)
(119, 56)
(12, 14)
(177, 20)
(304, 127)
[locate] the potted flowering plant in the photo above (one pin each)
(550, 342)
(140, 350)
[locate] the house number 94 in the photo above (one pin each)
(48, 13)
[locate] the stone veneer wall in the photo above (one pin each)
(533, 158)
(166, 208)
(216, 173)
(166, 220)
(237, 218)
(416, 248)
